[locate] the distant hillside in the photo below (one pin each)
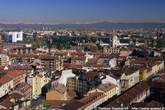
(101, 25)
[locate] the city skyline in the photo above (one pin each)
(81, 11)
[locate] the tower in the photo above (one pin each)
(115, 41)
(50, 41)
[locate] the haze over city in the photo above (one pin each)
(81, 11)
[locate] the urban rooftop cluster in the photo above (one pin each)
(82, 69)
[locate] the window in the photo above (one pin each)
(17, 36)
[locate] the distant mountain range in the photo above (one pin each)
(100, 25)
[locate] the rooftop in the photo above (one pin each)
(5, 79)
(15, 73)
(106, 87)
(127, 97)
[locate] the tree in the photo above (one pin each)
(45, 89)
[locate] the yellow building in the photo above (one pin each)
(157, 66)
(37, 82)
(144, 73)
(60, 93)
(153, 70)
(57, 95)
(109, 90)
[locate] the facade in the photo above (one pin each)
(37, 82)
(136, 94)
(152, 70)
(52, 62)
(4, 60)
(6, 84)
(65, 75)
(59, 92)
(57, 95)
(109, 90)
(114, 81)
(145, 73)
(148, 67)
(15, 36)
(18, 76)
(85, 82)
(11, 80)
(23, 50)
(116, 42)
(89, 102)
(78, 60)
(111, 50)
(157, 66)
(113, 62)
(129, 79)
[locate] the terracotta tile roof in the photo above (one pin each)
(16, 96)
(5, 79)
(19, 67)
(82, 103)
(73, 66)
(6, 102)
(55, 103)
(15, 73)
(92, 97)
(130, 69)
(73, 105)
(71, 93)
(126, 98)
(23, 87)
(106, 87)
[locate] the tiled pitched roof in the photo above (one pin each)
(4, 79)
(15, 73)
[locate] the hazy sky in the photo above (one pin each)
(81, 11)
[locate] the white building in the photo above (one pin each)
(116, 42)
(65, 75)
(16, 36)
(6, 84)
(37, 82)
(113, 62)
